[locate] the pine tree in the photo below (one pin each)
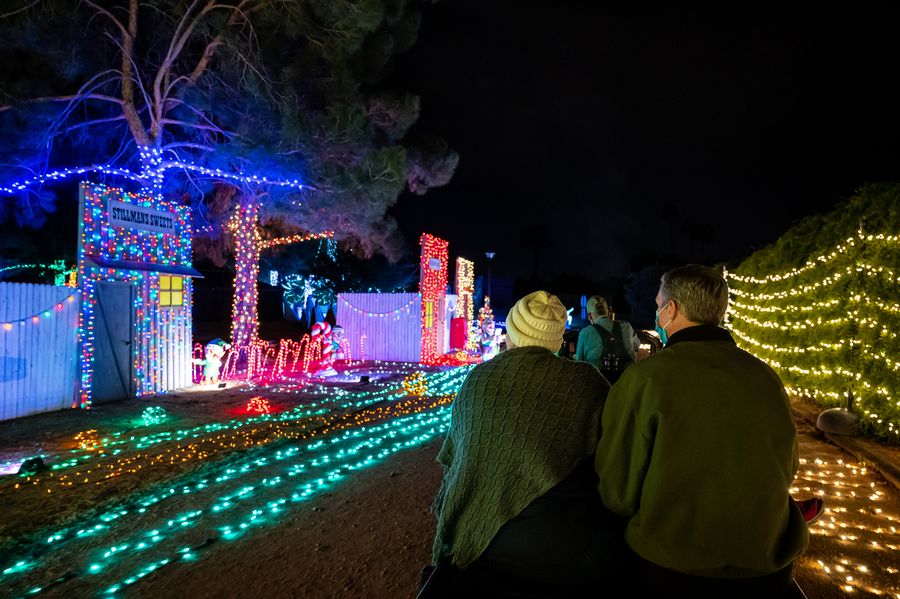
(282, 89)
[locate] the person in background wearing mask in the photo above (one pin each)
(605, 337)
(698, 450)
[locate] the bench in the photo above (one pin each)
(445, 580)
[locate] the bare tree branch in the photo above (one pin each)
(91, 122)
(203, 63)
(184, 144)
(109, 15)
(128, 107)
(197, 126)
(84, 92)
(211, 47)
(180, 36)
(64, 99)
(18, 10)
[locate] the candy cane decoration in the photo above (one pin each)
(320, 338)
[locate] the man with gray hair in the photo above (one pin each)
(698, 450)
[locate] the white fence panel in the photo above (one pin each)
(382, 326)
(38, 348)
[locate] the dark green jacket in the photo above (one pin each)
(520, 424)
(698, 450)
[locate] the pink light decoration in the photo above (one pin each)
(249, 359)
(362, 346)
(288, 353)
(197, 353)
(264, 362)
(311, 355)
(258, 356)
(345, 350)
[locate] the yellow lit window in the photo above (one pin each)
(429, 314)
(171, 291)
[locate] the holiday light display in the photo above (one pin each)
(322, 364)
(363, 338)
(291, 359)
(395, 313)
(152, 175)
(89, 440)
(270, 243)
(197, 355)
(829, 327)
(485, 311)
(433, 287)
(259, 405)
(176, 523)
(44, 313)
(111, 251)
(224, 499)
(416, 384)
(154, 415)
(320, 466)
(874, 532)
(248, 243)
(381, 325)
(465, 308)
(465, 289)
(342, 345)
(211, 440)
(244, 229)
(59, 269)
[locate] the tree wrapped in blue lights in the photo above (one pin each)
(233, 105)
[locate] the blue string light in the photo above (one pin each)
(153, 173)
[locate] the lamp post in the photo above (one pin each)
(490, 256)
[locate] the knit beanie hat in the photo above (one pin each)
(537, 319)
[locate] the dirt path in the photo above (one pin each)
(368, 538)
(371, 537)
(340, 513)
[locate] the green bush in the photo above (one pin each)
(822, 307)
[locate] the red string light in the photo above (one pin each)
(433, 287)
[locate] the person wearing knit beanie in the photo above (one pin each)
(518, 500)
(538, 319)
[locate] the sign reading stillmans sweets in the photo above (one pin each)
(138, 217)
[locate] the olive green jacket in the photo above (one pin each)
(698, 450)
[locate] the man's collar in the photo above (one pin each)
(701, 332)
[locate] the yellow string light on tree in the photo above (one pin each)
(829, 328)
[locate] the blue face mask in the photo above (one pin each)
(661, 330)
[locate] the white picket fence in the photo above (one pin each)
(38, 348)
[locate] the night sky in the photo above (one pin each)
(591, 120)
